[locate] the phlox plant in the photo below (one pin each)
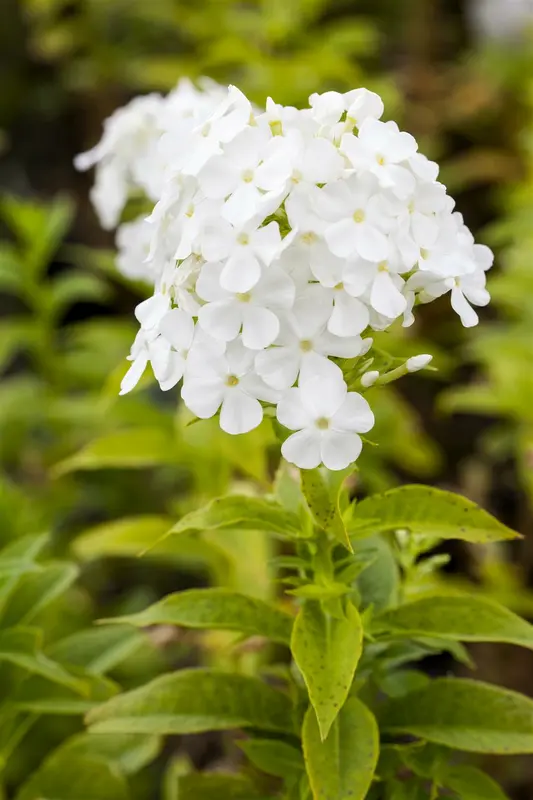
(280, 242)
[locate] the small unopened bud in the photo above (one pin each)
(367, 344)
(416, 363)
(369, 378)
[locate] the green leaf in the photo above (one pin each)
(98, 650)
(342, 767)
(379, 583)
(425, 511)
(192, 701)
(465, 618)
(25, 549)
(36, 590)
(198, 786)
(274, 757)
(128, 449)
(471, 783)
(126, 536)
(323, 502)
(219, 609)
(128, 752)
(38, 696)
(21, 646)
(326, 650)
(241, 512)
(465, 715)
(68, 776)
(73, 287)
(11, 269)
(16, 334)
(40, 227)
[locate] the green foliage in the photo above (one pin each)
(218, 609)
(343, 766)
(464, 618)
(326, 649)
(426, 512)
(466, 715)
(192, 701)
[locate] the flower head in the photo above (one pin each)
(277, 240)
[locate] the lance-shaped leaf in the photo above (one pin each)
(38, 696)
(465, 715)
(25, 550)
(241, 512)
(36, 590)
(470, 783)
(342, 767)
(464, 618)
(274, 757)
(200, 786)
(68, 776)
(128, 449)
(425, 511)
(216, 609)
(98, 650)
(323, 501)
(192, 701)
(21, 646)
(129, 752)
(326, 650)
(129, 536)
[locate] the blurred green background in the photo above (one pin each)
(80, 463)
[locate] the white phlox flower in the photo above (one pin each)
(227, 383)
(133, 241)
(278, 240)
(328, 420)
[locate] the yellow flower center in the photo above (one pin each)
(248, 176)
(244, 297)
(232, 380)
(309, 237)
(339, 287)
(380, 160)
(359, 216)
(243, 239)
(322, 423)
(306, 345)
(383, 267)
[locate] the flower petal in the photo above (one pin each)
(371, 244)
(350, 316)
(461, 306)
(385, 297)
(323, 393)
(239, 413)
(354, 414)
(260, 326)
(291, 411)
(278, 366)
(221, 320)
(177, 327)
(339, 450)
(202, 397)
(241, 272)
(134, 374)
(303, 449)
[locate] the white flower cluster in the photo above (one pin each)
(278, 240)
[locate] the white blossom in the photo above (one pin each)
(328, 420)
(277, 242)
